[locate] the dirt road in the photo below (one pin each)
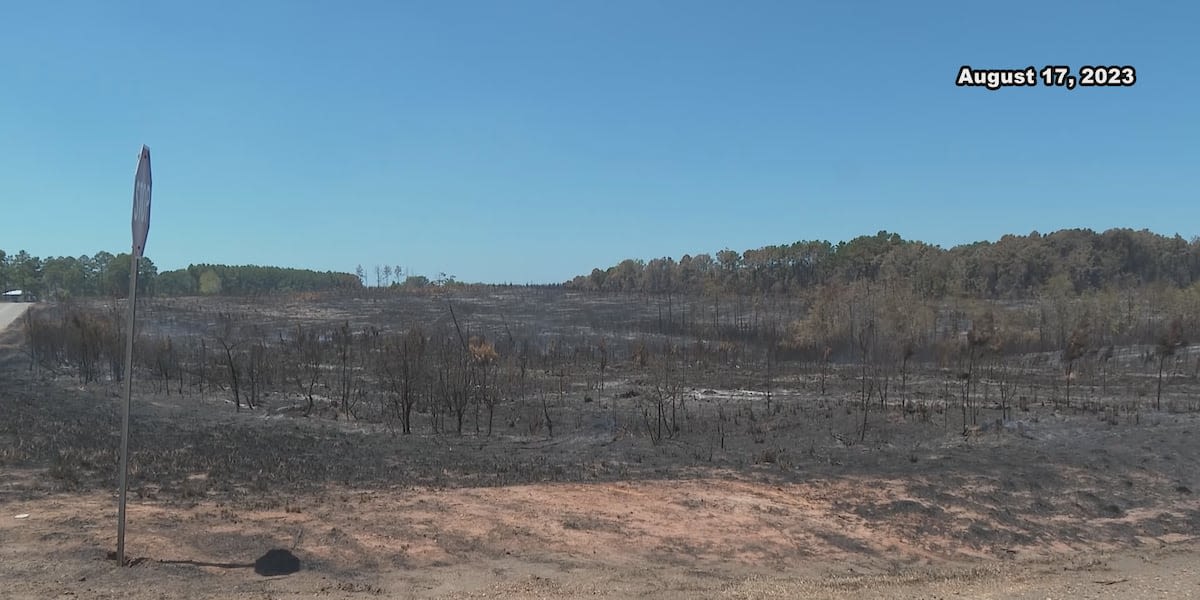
(10, 312)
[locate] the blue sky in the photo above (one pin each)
(531, 141)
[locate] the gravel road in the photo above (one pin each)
(10, 312)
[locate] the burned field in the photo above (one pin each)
(538, 442)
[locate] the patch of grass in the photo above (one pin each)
(66, 468)
(582, 522)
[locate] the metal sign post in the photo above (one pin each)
(141, 227)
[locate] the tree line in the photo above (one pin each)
(107, 275)
(61, 277)
(206, 279)
(1014, 267)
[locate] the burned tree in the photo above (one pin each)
(343, 343)
(403, 363)
(307, 355)
(1077, 346)
(229, 338)
(1169, 341)
(483, 357)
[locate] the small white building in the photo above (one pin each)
(17, 296)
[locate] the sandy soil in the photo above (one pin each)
(699, 538)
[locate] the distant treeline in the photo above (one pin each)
(104, 274)
(250, 280)
(107, 275)
(1015, 267)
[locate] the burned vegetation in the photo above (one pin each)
(961, 426)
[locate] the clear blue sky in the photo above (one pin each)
(531, 141)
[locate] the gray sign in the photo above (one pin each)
(141, 202)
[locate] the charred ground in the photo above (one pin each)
(726, 460)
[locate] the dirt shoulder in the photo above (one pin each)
(698, 538)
